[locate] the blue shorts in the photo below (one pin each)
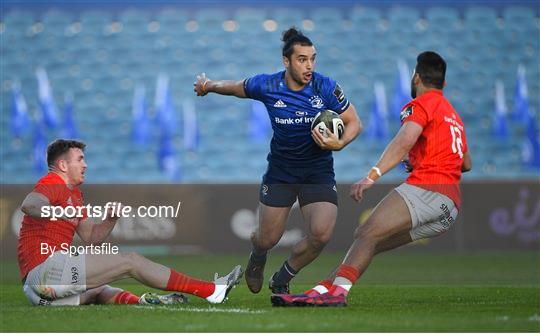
(281, 186)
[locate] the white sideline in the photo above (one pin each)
(201, 310)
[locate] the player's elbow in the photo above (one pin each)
(26, 208)
(29, 208)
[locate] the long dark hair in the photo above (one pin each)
(292, 37)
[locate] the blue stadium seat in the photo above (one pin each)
(519, 14)
(287, 17)
(403, 14)
(210, 21)
(56, 22)
(135, 22)
(443, 20)
(17, 21)
(250, 20)
(365, 19)
(480, 19)
(95, 23)
(327, 19)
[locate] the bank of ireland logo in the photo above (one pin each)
(316, 102)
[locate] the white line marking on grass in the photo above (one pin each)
(535, 317)
(202, 310)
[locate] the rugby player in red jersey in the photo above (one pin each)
(426, 205)
(57, 277)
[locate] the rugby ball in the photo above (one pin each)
(328, 120)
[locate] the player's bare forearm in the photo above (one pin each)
(94, 232)
(204, 85)
(33, 204)
(392, 156)
(100, 232)
(400, 146)
(353, 125)
(226, 87)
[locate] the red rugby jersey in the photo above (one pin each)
(437, 156)
(35, 231)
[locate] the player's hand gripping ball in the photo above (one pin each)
(328, 120)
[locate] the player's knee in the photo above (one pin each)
(267, 242)
(129, 261)
(319, 240)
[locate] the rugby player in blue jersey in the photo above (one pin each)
(300, 163)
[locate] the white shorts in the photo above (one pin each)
(58, 281)
(432, 213)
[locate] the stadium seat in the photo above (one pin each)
(250, 21)
(135, 22)
(520, 14)
(56, 22)
(480, 19)
(365, 20)
(17, 22)
(287, 17)
(94, 23)
(444, 21)
(327, 19)
(210, 21)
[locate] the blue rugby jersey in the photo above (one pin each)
(291, 114)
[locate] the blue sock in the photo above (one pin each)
(285, 274)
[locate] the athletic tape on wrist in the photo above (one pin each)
(204, 86)
(377, 170)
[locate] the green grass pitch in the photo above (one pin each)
(400, 292)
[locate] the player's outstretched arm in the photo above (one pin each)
(203, 86)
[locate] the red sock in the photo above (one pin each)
(345, 273)
(326, 283)
(336, 290)
(126, 297)
(312, 292)
(348, 272)
(183, 283)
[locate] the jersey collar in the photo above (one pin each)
(284, 84)
(434, 91)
